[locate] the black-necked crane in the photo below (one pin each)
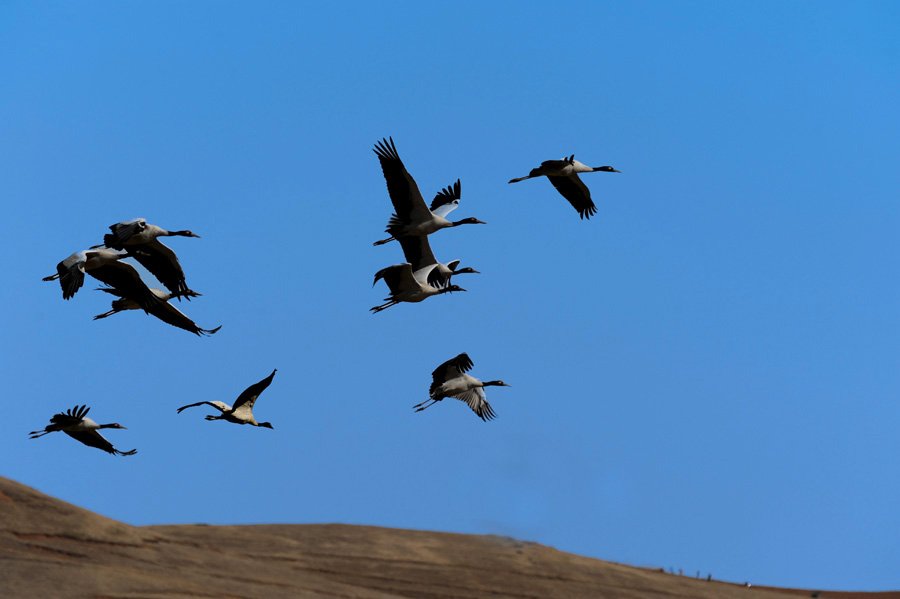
(406, 286)
(417, 251)
(164, 310)
(141, 240)
(450, 380)
(75, 423)
(242, 411)
(563, 174)
(412, 215)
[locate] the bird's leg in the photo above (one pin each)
(383, 306)
(36, 434)
(105, 314)
(384, 241)
(425, 404)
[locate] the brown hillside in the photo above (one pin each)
(49, 548)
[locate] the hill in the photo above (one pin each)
(49, 548)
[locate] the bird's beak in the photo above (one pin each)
(195, 235)
(616, 171)
(480, 222)
(461, 289)
(477, 272)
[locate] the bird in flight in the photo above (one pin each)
(75, 423)
(563, 174)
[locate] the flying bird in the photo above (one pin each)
(242, 411)
(563, 174)
(406, 286)
(412, 216)
(104, 265)
(450, 380)
(74, 422)
(163, 310)
(418, 253)
(141, 240)
(137, 232)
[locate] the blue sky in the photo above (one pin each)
(705, 375)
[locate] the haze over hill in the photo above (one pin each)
(49, 548)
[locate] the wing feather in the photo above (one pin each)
(122, 232)
(447, 199)
(123, 277)
(162, 262)
(573, 189)
(451, 369)
(408, 203)
(249, 396)
(95, 439)
(417, 251)
(476, 399)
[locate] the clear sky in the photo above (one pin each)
(704, 376)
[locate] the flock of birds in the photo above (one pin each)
(420, 277)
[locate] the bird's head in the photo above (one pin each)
(266, 425)
(113, 425)
(466, 270)
(184, 234)
(605, 169)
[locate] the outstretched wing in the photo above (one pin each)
(405, 195)
(450, 369)
(476, 399)
(219, 405)
(62, 420)
(573, 189)
(162, 262)
(447, 199)
(169, 314)
(249, 396)
(95, 439)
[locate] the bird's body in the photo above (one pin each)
(141, 240)
(125, 303)
(138, 232)
(407, 286)
(563, 174)
(75, 423)
(417, 251)
(162, 310)
(242, 411)
(450, 380)
(412, 216)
